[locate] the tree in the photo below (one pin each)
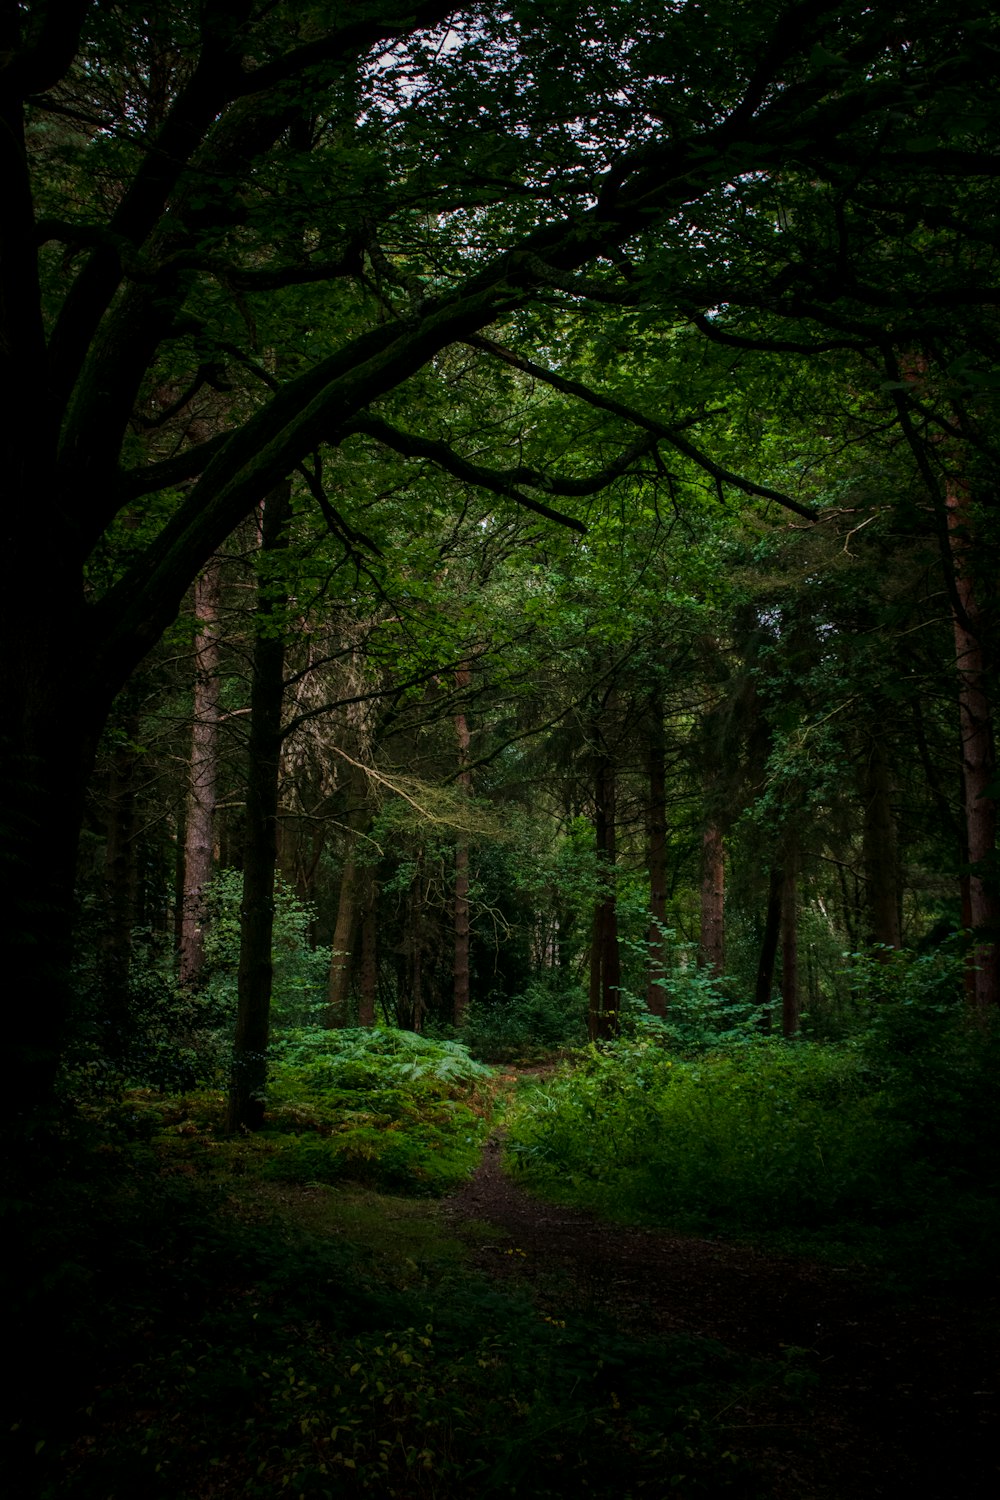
(253, 1013)
(199, 821)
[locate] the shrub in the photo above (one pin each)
(700, 1012)
(384, 1107)
(758, 1138)
(887, 1142)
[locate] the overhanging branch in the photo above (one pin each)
(170, 471)
(657, 430)
(500, 482)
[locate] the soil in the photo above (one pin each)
(896, 1398)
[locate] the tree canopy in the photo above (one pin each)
(545, 251)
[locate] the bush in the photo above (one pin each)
(887, 1144)
(384, 1107)
(757, 1138)
(700, 1013)
(165, 1037)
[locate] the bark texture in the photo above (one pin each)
(790, 943)
(120, 885)
(256, 971)
(712, 943)
(605, 961)
(199, 822)
(656, 856)
(769, 945)
(463, 925)
(368, 986)
(978, 754)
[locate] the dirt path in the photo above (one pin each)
(905, 1400)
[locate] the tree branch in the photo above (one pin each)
(502, 481)
(658, 430)
(134, 483)
(50, 54)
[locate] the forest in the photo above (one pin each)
(498, 786)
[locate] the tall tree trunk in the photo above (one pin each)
(604, 1019)
(463, 677)
(344, 933)
(256, 971)
(979, 769)
(199, 823)
(965, 890)
(879, 848)
(711, 945)
(120, 885)
(656, 856)
(348, 904)
(368, 989)
(790, 942)
(47, 749)
(769, 945)
(414, 1003)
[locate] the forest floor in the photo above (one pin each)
(217, 1328)
(896, 1397)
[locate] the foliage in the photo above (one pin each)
(700, 1010)
(300, 971)
(164, 1037)
(885, 1146)
(549, 1016)
(385, 1107)
(355, 1057)
(752, 1137)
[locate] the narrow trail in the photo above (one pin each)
(905, 1400)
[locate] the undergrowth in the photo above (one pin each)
(883, 1149)
(182, 1332)
(387, 1108)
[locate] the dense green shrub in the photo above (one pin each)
(761, 1136)
(888, 1143)
(700, 1011)
(171, 1038)
(381, 1106)
(163, 1037)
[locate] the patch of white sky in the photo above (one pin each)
(401, 80)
